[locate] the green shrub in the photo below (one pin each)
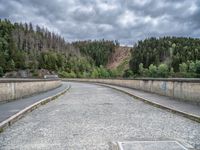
(113, 73)
(128, 73)
(141, 69)
(95, 73)
(192, 67)
(163, 70)
(103, 72)
(183, 67)
(1, 71)
(198, 66)
(64, 74)
(171, 73)
(152, 71)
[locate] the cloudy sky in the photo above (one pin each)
(123, 20)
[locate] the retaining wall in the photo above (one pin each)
(11, 89)
(183, 89)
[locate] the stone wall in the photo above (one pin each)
(183, 89)
(11, 89)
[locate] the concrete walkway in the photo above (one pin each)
(13, 107)
(89, 117)
(189, 110)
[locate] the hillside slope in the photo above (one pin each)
(25, 49)
(120, 57)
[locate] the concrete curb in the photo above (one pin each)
(8, 122)
(10, 100)
(182, 113)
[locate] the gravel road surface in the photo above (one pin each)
(89, 117)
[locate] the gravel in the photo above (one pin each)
(89, 117)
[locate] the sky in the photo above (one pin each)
(124, 20)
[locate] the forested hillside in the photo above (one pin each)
(24, 47)
(167, 56)
(32, 48)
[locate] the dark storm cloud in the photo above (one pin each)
(124, 20)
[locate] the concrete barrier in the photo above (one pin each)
(11, 89)
(183, 89)
(8, 122)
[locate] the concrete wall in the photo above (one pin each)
(183, 89)
(11, 89)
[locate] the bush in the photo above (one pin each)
(1, 71)
(85, 74)
(198, 67)
(95, 73)
(141, 69)
(66, 74)
(163, 70)
(103, 72)
(128, 73)
(35, 73)
(10, 65)
(113, 73)
(183, 67)
(192, 67)
(152, 71)
(185, 75)
(171, 72)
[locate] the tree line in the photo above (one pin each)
(100, 51)
(24, 46)
(165, 57)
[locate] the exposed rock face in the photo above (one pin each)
(11, 74)
(18, 74)
(117, 58)
(43, 72)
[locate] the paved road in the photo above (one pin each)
(88, 117)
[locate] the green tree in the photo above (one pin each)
(114, 73)
(72, 74)
(20, 59)
(192, 67)
(172, 71)
(103, 72)
(11, 65)
(1, 71)
(2, 60)
(152, 71)
(198, 66)
(169, 50)
(163, 70)
(141, 69)
(98, 51)
(183, 68)
(128, 73)
(95, 73)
